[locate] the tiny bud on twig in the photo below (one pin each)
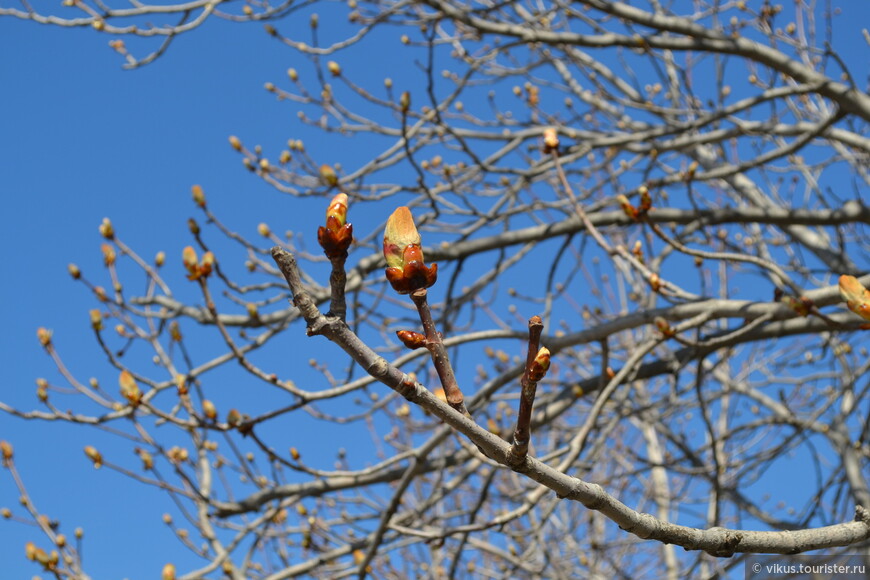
(410, 339)
(94, 456)
(129, 389)
(198, 195)
(540, 365)
(551, 140)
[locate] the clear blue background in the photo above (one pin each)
(83, 139)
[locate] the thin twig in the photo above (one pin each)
(522, 434)
(436, 348)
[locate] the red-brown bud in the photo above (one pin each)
(337, 236)
(645, 199)
(412, 340)
(629, 209)
(664, 326)
(540, 365)
(801, 305)
(406, 269)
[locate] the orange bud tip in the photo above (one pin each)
(106, 229)
(198, 195)
(129, 388)
(551, 140)
(44, 336)
(6, 450)
(168, 572)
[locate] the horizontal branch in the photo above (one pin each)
(716, 541)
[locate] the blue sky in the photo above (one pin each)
(84, 139)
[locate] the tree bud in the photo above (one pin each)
(109, 255)
(663, 326)
(856, 296)
(335, 238)
(208, 409)
(168, 572)
(198, 195)
(94, 456)
(100, 293)
(147, 459)
(551, 140)
(207, 265)
(106, 229)
(328, 175)
(540, 365)
(645, 199)
(190, 260)
(6, 450)
(412, 340)
(129, 389)
(177, 454)
(399, 233)
(96, 319)
(44, 336)
(175, 331)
